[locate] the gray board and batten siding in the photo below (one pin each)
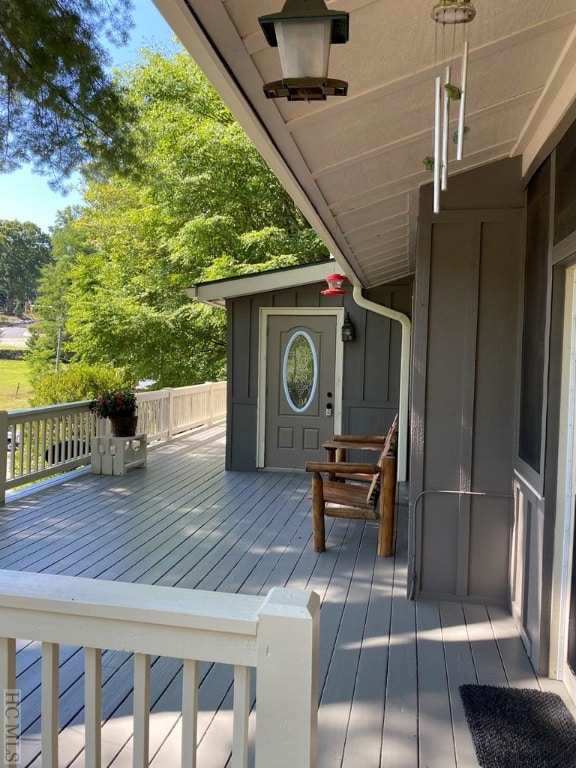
(371, 373)
(465, 365)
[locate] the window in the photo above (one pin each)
(300, 371)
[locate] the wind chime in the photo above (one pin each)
(451, 16)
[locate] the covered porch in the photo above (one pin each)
(389, 668)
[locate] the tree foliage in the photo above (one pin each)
(47, 339)
(204, 206)
(24, 249)
(59, 107)
(78, 382)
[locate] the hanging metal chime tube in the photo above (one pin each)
(462, 112)
(437, 142)
(445, 127)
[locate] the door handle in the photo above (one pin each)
(328, 409)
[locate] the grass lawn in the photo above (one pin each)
(15, 389)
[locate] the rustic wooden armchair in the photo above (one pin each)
(356, 490)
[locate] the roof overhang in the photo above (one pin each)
(216, 292)
(354, 165)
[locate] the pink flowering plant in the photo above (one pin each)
(114, 403)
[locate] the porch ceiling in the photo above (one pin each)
(354, 164)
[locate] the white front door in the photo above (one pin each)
(301, 385)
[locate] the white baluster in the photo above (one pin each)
(93, 706)
(241, 714)
(189, 713)
(141, 709)
(7, 684)
(49, 705)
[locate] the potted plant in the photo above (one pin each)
(118, 405)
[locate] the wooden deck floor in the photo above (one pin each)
(390, 668)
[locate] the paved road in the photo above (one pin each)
(15, 334)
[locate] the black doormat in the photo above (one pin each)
(519, 728)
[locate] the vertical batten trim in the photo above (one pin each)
(467, 411)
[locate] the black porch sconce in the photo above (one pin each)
(303, 32)
(348, 333)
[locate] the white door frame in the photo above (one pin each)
(566, 492)
(265, 313)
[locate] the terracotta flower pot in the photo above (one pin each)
(124, 426)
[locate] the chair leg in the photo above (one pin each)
(387, 503)
(318, 531)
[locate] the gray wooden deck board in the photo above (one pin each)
(390, 669)
(460, 670)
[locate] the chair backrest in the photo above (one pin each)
(389, 450)
(391, 443)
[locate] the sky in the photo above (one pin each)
(26, 196)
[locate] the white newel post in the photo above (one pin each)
(170, 414)
(210, 403)
(287, 680)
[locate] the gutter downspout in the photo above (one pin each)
(406, 324)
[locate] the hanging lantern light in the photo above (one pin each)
(303, 32)
(334, 285)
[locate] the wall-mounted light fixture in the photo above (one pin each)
(303, 32)
(348, 333)
(334, 285)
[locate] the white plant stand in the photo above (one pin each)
(116, 455)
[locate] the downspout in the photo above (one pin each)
(404, 320)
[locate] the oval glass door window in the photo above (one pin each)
(300, 371)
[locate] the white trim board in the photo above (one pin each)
(217, 292)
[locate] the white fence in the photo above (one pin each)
(277, 635)
(41, 442)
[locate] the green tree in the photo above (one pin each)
(204, 206)
(59, 108)
(78, 382)
(24, 250)
(48, 338)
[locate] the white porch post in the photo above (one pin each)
(170, 414)
(287, 680)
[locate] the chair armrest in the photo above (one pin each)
(358, 439)
(342, 467)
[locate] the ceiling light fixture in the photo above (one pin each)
(303, 32)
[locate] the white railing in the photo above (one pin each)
(169, 412)
(276, 634)
(41, 442)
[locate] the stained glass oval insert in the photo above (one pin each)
(300, 371)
